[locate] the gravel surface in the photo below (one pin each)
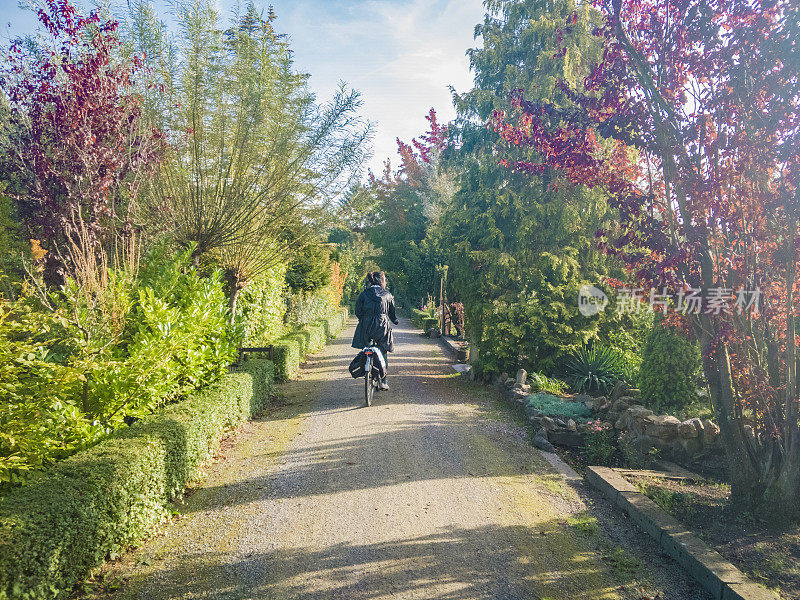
(431, 493)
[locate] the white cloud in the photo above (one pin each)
(400, 55)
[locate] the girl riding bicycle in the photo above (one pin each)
(375, 309)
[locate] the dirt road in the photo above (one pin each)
(432, 493)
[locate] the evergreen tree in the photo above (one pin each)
(520, 247)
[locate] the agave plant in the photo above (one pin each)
(596, 369)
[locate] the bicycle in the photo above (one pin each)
(370, 381)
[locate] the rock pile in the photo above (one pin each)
(694, 442)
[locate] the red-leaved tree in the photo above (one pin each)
(690, 122)
(75, 135)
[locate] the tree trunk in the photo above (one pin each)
(743, 470)
(233, 302)
(783, 492)
(782, 497)
(234, 285)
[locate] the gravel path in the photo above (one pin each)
(432, 493)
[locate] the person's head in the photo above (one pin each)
(379, 278)
(370, 281)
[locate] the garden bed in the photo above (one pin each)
(769, 554)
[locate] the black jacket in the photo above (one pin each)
(374, 309)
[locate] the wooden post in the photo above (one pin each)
(441, 302)
(442, 269)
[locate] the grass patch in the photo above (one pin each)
(584, 523)
(624, 565)
(674, 502)
(556, 486)
(771, 563)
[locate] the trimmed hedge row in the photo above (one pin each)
(98, 502)
(422, 319)
(290, 350)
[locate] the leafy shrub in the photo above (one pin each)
(75, 371)
(336, 322)
(261, 308)
(599, 445)
(526, 317)
(290, 350)
(552, 406)
(596, 369)
(102, 500)
(670, 370)
(418, 318)
(426, 318)
(317, 336)
(626, 333)
(307, 308)
(40, 419)
(551, 385)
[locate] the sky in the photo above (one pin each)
(400, 54)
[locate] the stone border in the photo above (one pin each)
(449, 344)
(721, 578)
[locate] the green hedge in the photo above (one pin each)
(287, 355)
(98, 502)
(421, 319)
(290, 350)
(418, 317)
(335, 323)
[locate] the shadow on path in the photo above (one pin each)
(439, 566)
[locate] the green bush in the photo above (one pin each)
(524, 314)
(418, 317)
(303, 338)
(303, 308)
(596, 369)
(309, 271)
(424, 319)
(542, 383)
(261, 308)
(317, 337)
(72, 373)
(98, 502)
(670, 370)
(335, 323)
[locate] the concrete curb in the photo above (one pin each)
(449, 345)
(721, 578)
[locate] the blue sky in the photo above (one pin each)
(400, 54)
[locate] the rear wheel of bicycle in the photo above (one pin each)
(369, 385)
